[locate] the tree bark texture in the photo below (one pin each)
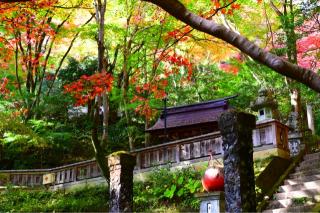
(239, 185)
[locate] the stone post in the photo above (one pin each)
(294, 140)
(211, 202)
(239, 186)
(295, 136)
(121, 165)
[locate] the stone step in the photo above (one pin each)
(300, 186)
(305, 173)
(302, 179)
(312, 156)
(285, 203)
(302, 208)
(308, 162)
(310, 165)
(310, 193)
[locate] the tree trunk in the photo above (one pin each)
(146, 135)
(100, 146)
(100, 7)
(98, 149)
(310, 118)
(105, 122)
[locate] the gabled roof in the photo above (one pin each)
(193, 114)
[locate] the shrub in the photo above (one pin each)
(165, 188)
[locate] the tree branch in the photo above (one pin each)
(283, 67)
(64, 57)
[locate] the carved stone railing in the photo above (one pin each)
(171, 152)
(59, 175)
(178, 151)
(30, 177)
(76, 172)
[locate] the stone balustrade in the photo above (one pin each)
(177, 152)
(59, 175)
(172, 152)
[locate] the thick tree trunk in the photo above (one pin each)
(283, 67)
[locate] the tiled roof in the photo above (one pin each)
(193, 114)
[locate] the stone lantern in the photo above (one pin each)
(270, 132)
(265, 105)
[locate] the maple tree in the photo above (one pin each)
(293, 43)
(4, 91)
(308, 47)
(89, 87)
(156, 87)
(179, 11)
(28, 38)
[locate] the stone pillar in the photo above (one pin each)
(121, 167)
(212, 202)
(239, 186)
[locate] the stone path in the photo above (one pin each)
(302, 190)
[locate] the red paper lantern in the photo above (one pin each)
(213, 180)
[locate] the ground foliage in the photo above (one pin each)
(40, 144)
(90, 199)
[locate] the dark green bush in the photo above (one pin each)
(165, 188)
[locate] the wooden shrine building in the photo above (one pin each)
(187, 121)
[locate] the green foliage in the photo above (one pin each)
(259, 166)
(168, 188)
(40, 143)
(118, 134)
(75, 69)
(54, 107)
(93, 199)
(300, 200)
(312, 143)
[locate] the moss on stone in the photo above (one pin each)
(119, 153)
